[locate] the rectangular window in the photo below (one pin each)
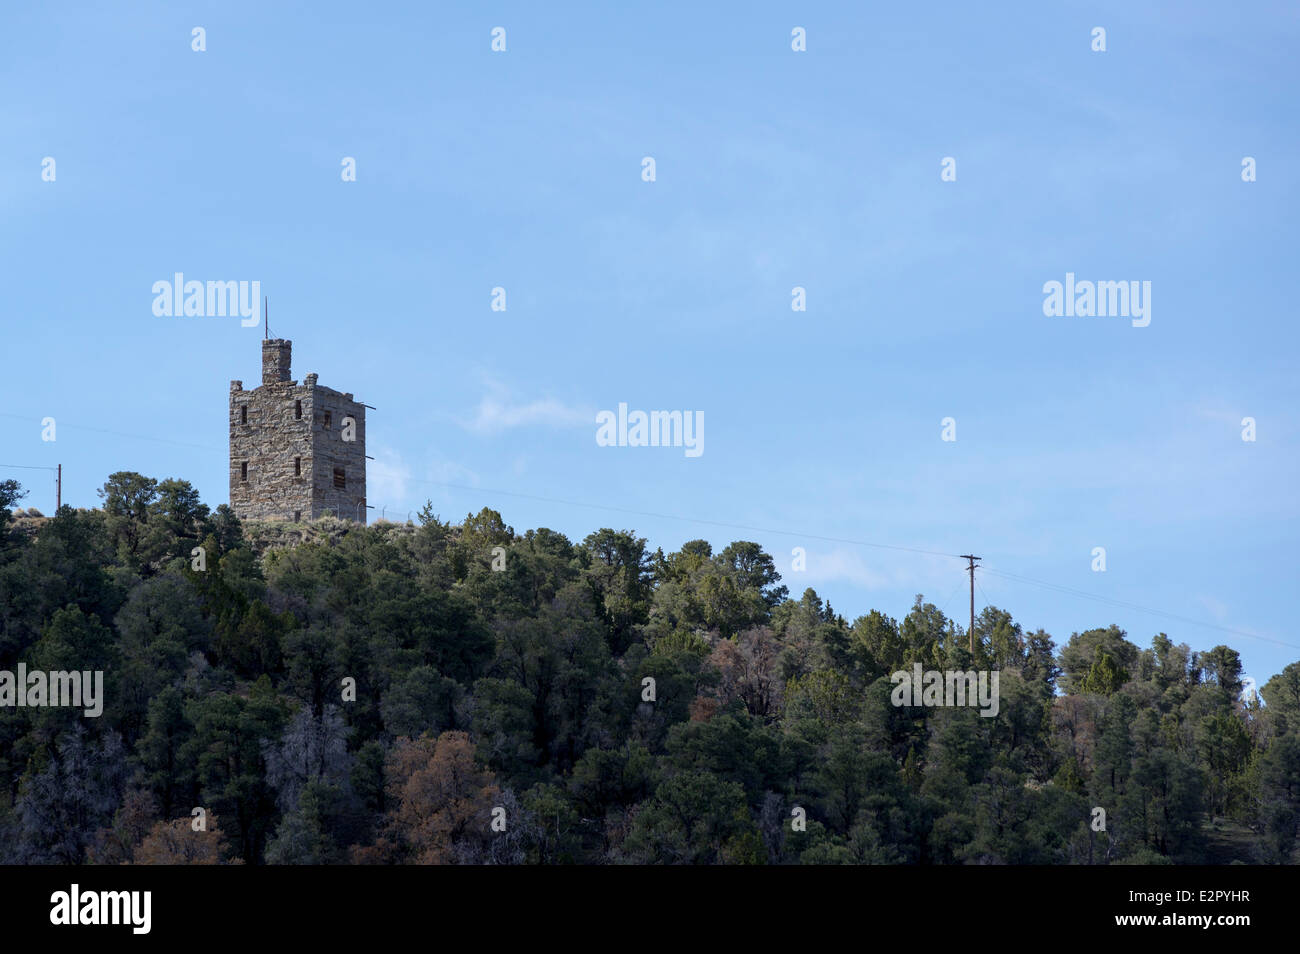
(297, 410)
(297, 516)
(297, 466)
(243, 414)
(340, 481)
(243, 471)
(327, 420)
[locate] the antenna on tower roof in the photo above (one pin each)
(266, 318)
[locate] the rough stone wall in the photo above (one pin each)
(276, 358)
(331, 451)
(267, 435)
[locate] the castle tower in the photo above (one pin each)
(296, 450)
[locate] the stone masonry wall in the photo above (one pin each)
(331, 452)
(267, 435)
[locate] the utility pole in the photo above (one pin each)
(58, 491)
(971, 568)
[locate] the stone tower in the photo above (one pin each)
(296, 450)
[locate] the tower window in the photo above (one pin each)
(243, 471)
(327, 420)
(243, 414)
(297, 410)
(297, 466)
(297, 516)
(340, 481)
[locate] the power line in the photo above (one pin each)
(987, 602)
(57, 470)
(950, 596)
(101, 430)
(731, 526)
(555, 500)
(668, 516)
(972, 560)
(885, 546)
(1124, 604)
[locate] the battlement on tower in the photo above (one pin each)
(297, 451)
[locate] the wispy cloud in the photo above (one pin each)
(1217, 608)
(848, 566)
(397, 487)
(388, 479)
(500, 411)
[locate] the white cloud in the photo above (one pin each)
(392, 484)
(849, 566)
(499, 411)
(450, 472)
(388, 479)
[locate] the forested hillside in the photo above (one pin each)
(327, 693)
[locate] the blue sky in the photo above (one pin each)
(774, 169)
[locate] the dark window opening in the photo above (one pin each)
(297, 410)
(243, 414)
(340, 481)
(327, 420)
(243, 471)
(297, 516)
(297, 466)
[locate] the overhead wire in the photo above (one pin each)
(848, 541)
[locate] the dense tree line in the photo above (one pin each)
(328, 693)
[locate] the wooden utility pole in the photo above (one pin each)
(972, 560)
